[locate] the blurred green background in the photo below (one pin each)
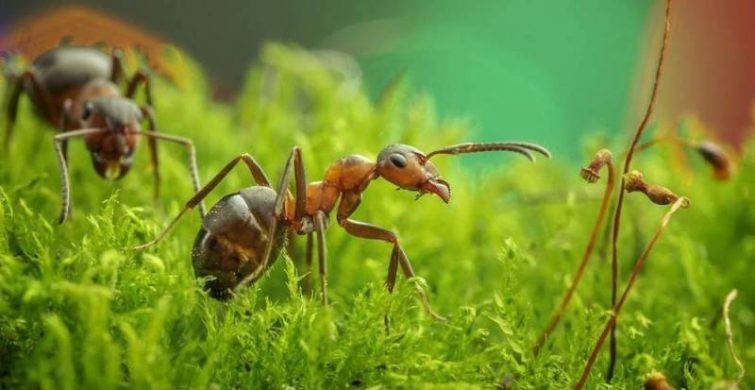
(517, 69)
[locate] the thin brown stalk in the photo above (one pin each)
(655, 141)
(730, 335)
(556, 316)
(627, 165)
(632, 278)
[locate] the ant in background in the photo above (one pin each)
(243, 233)
(75, 89)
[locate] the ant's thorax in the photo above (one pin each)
(351, 174)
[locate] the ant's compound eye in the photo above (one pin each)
(399, 161)
(87, 111)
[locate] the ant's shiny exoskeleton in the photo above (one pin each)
(74, 88)
(240, 236)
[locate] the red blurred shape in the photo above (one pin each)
(710, 72)
(78, 25)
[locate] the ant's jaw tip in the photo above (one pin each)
(438, 187)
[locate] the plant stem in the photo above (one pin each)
(620, 202)
(730, 335)
(556, 316)
(632, 278)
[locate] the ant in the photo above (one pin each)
(240, 235)
(75, 89)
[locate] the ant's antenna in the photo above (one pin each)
(523, 148)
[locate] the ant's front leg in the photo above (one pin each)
(350, 201)
(60, 142)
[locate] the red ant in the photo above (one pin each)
(239, 238)
(74, 88)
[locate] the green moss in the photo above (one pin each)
(78, 308)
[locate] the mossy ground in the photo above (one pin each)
(79, 309)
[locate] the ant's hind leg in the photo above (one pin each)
(254, 168)
(294, 162)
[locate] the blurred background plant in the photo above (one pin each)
(79, 309)
(554, 71)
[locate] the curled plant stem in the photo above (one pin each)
(673, 139)
(730, 335)
(590, 173)
(627, 164)
(632, 278)
(713, 154)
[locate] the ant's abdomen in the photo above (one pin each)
(64, 67)
(232, 241)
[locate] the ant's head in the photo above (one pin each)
(113, 148)
(411, 169)
(408, 168)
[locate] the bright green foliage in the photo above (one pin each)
(79, 309)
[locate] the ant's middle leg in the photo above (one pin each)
(15, 95)
(153, 136)
(322, 254)
(118, 73)
(308, 265)
(140, 77)
(118, 70)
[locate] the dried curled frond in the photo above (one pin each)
(591, 172)
(656, 381)
(635, 182)
(716, 157)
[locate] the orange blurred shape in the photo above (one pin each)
(710, 71)
(78, 25)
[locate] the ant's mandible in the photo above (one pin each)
(243, 233)
(74, 88)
